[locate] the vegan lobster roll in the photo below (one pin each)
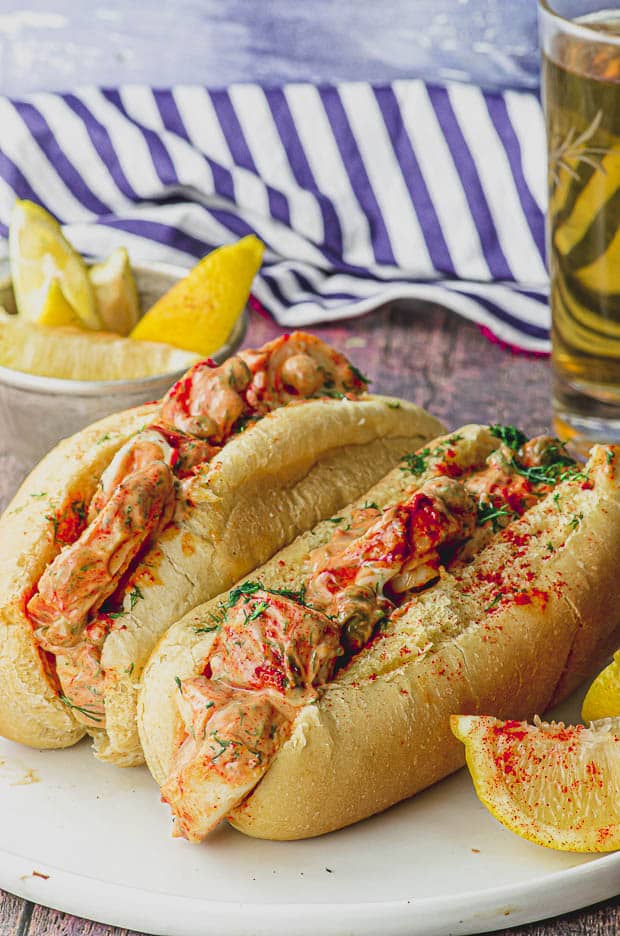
(135, 520)
(479, 575)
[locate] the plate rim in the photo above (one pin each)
(469, 912)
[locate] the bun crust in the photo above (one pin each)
(284, 473)
(380, 731)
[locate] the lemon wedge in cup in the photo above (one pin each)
(199, 312)
(81, 354)
(40, 254)
(554, 785)
(116, 292)
(57, 311)
(603, 697)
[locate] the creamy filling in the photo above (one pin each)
(136, 496)
(274, 651)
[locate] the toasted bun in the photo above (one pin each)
(280, 476)
(380, 732)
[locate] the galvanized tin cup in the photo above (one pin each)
(37, 412)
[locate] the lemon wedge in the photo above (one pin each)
(116, 293)
(81, 354)
(56, 310)
(603, 697)
(554, 785)
(199, 312)
(39, 253)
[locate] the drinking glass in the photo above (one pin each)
(580, 44)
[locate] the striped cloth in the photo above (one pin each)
(362, 193)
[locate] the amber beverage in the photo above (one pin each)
(581, 95)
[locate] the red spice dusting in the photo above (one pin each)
(450, 469)
(69, 521)
(522, 598)
(144, 576)
(515, 537)
(537, 594)
(270, 676)
(187, 544)
(513, 728)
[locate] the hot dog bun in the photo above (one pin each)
(512, 631)
(277, 478)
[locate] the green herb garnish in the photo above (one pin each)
(53, 519)
(487, 511)
(560, 470)
(498, 597)
(258, 610)
(134, 597)
(89, 713)
(247, 589)
(358, 374)
(416, 462)
(223, 746)
(509, 435)
(208, 629)
(79, 509)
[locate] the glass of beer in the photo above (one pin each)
(580, 43)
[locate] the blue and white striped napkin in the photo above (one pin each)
(362, 193)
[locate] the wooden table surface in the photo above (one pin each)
(441, 362)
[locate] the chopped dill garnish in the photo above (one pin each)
(509, 435)
(89, 713)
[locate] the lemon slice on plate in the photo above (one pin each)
(553, 785)
(39, 254)
(56, 310)
(603, 697)
(199, 312)
(79, 354)
(116, 292)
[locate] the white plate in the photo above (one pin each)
(439, 863)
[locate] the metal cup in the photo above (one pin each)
(37, 412)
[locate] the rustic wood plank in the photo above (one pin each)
(46, 922)
(600, 920)
(15, 915)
